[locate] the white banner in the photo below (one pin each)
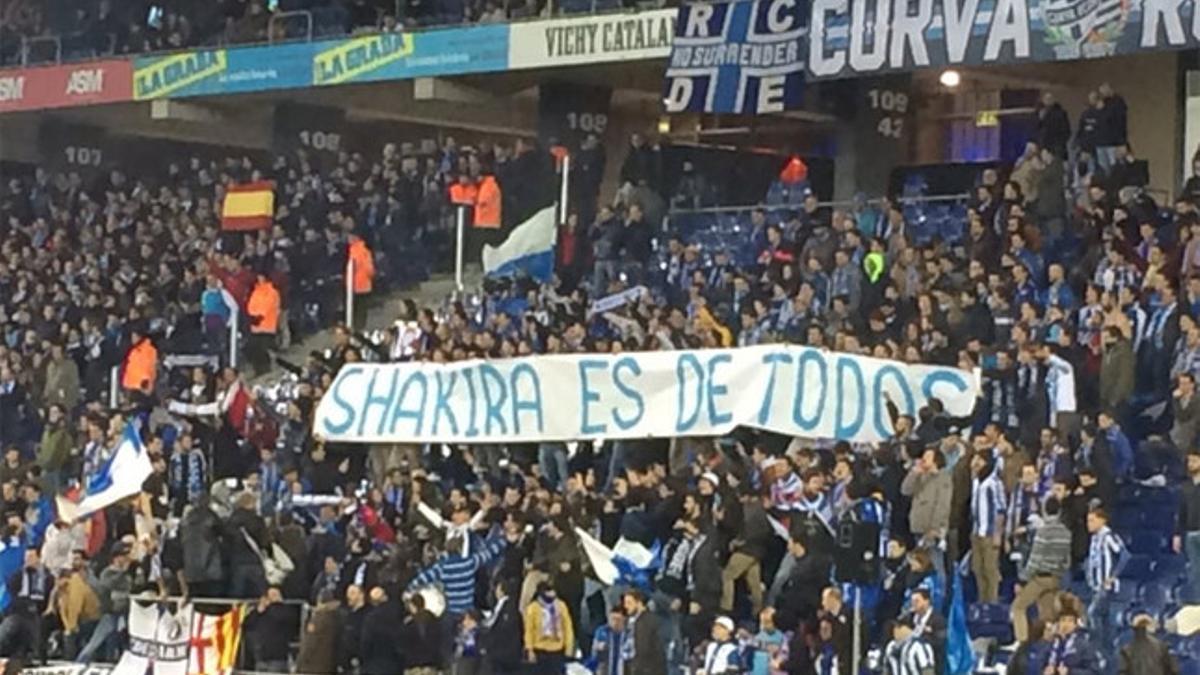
(158, 640)
(591, 39)
(793, 390)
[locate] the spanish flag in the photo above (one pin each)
(249, 206)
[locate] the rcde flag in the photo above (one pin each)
(738, 57)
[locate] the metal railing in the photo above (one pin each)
(27, 44)
(904, 201)
(280, 17)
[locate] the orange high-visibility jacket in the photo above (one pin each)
(264, 303)
(487, 204)
(364, 265)
(141, 366)
(463, 194)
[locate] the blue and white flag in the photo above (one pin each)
(960, 657)
(120, 476)
(12, 558)
(529, 249)
(628, 562)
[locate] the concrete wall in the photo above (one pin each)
(1148, 82)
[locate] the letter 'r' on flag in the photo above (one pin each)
(248, 206)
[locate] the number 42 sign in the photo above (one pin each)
(891, 106)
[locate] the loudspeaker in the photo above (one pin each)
(856, 552)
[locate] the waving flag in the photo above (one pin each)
(118, 477)
(12, 557)
(249, 206)
(529, 249)
(628, 562)
(960, 657)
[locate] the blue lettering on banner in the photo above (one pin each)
(494, 407)
(786, 389)
(519, 403)
(442, 406)
(417, 414)
(628, 363)
(473, 407)
(802, 386)
(848, 366)
(384, 402)
(693, 364)
(947, 376)
(714, 390)
(773, 360)
(340, 401)
(588, 396)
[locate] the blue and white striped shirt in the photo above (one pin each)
(1107, 556)
(456, 573)
(912, 656)
(987, 506)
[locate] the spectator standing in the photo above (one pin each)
(504, 633)
(987, 525)
(908, 653)
(318, 645)
(112, 590)
(647, 655)
(1185, 406)
(1107, 556)
(246, 539)
(549, 634)
(417, 652)
(1145, 654)
(1112, 131)
(608, 644)
(930, 487)
(76, 605)
(720, 655)
(62, 379)
(263, 307)
(269, 628)
(1049, 559)
(23, 629)
(362, 279)
(1187, 525)
(1053, 126)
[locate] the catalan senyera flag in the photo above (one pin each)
(248, 206)
(214, 642)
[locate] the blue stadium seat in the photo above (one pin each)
(1147, 542)
(1171, 566)
(1140, 568)
(1154, 596)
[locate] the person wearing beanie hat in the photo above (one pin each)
(721, 655)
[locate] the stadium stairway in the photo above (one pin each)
(381, 312)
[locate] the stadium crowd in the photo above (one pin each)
(99, 28)
(1070, 493)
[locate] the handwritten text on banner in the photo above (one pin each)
(792, 390)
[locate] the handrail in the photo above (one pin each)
(281, 16)
(178, 599)
(27, 42)
(828, 204)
